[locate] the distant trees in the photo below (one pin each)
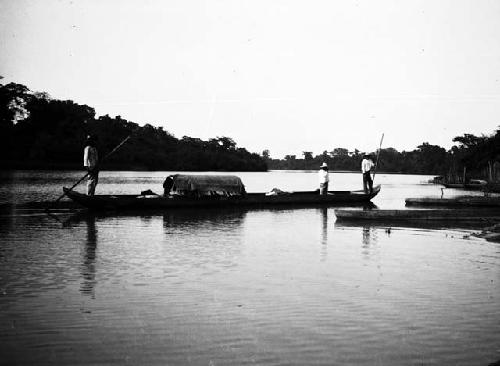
(39, 132)
(430, 158)
(480, 155)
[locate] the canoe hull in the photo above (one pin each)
(464, 202)
(134, 202)
(422, 215)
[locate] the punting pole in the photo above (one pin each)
(378, 155)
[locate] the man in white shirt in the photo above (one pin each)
(366, 167)
(323, 179)
(90, 163)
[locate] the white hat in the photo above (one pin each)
(324, 165)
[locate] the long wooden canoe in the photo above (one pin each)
(423, 215)
(461, 201)
(139, 202)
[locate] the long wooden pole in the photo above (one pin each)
(378, 155)
(101, 160)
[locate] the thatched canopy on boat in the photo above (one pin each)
(207, 184)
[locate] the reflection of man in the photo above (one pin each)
(88, 267)
(366, 167)
(366, 235)
(90, 162)
(323, 179)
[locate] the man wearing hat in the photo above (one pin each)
(90, 163)
(366, 167)
(323, 179)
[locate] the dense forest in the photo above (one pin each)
(38, 132)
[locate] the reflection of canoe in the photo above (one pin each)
(464, 201)
(425, 215)
(138, 202)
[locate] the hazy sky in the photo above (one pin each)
(288, 76)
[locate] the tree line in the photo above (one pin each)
(39, 132)
(426, 159)
(471, 157)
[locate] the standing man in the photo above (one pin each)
(323, 179)
(366, 167)
(90, 163)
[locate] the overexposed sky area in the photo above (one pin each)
(287, 75)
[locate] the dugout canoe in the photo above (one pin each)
(301, 198)
(472, 185)
(461, 201)
(419, 215)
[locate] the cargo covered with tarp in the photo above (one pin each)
(184, 184)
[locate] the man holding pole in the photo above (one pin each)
(366, 167)
(90, 163)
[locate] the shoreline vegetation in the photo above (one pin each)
(38, 132)
(42, 133)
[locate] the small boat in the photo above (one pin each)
(436, 180)
(460, 201)
(422, 215)
(194, 191)
(471, 185)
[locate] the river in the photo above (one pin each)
(234, 287)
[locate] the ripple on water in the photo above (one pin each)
(266, 287)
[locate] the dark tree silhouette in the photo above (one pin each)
(39, 132)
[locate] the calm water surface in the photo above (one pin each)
(226, 287)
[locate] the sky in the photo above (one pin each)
(284, 75)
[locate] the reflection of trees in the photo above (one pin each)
(88, 267)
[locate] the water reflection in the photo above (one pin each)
(198, 219)
(369, 241)
(369, 236)
(191, 287)
(205, 240)
(324, 233)
(89, 256)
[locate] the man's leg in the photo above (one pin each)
(323, 188)
(90, 186)
(365, 183)
(91, 183)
